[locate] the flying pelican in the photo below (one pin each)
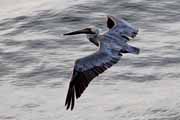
(111, 45)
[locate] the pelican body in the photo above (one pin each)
(111, 46)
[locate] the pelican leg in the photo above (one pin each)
(130, 49)
(124, 51)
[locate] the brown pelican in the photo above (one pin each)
(111, 45)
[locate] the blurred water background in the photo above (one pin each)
(36, 61)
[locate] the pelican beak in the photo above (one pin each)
(83, 31)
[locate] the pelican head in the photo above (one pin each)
(91, 32)
(121, 28)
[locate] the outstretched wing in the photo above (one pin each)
(85, 70)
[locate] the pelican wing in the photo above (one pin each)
(111, 22)
(85, 70)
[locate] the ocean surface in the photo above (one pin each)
(36, 60)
